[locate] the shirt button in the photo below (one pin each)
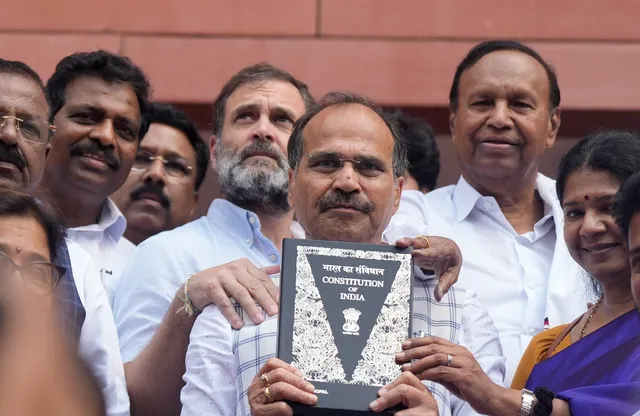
(272, 257)
(531, 285)
(487, 205)
(252, 220)
(248, 241)
(532, 331)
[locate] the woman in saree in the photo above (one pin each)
(588, 367)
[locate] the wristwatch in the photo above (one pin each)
(528, 402)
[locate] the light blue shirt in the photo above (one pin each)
(161, 264)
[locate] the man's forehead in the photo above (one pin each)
(511, 67)
(270, 93)
(348, 121)
(162, 138)
(23, 96)
(96, 92)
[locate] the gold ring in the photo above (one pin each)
(268, 395)
(265, 380)
(426, 240)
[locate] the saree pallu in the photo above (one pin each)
(599, 374)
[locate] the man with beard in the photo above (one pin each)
(161, 191)
(205, 260)
(99, 102)
(25, 143)
(231, 252)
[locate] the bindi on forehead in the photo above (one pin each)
(586, 197)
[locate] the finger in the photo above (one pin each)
(273, 289)
(273, 363)
(423, 341)
(404, 242)
(219, 295)
(284, 375)
(417, 353)
(405, 378)
(433, 361)
(402, 394)
(261, 288)
(416, 243)
(445, 281)
(283, 391)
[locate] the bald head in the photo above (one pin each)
(344, 186)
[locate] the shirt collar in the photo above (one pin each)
(464, 199)
(111, 222)
(465, 196)
(235, 218)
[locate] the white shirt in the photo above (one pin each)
(221, 362)
(522, 279)
(104, 241)
(162, 263)
(98, 345)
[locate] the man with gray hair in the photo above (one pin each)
(229, 253)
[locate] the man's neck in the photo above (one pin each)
(275, 227)
(134, 236)
(519, 202)
(78, 210)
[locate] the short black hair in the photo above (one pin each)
(17, 202)
(615, 152)
(482, 49)
(257, 73)
(337, 98)
(22, 69)
(107, 66)
(422, 149)
(627, 203)
(171, 116)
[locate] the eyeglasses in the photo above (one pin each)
(41, 277)
(28, 130)
(174, 167)
(330, 164)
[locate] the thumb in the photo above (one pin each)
(269, 270)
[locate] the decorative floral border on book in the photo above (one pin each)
(314, 350)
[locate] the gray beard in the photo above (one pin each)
(255, 187)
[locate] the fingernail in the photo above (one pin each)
(273, 309)
(309, 387)
(312, 398)
(406, 366)
(374, 405)
(382, 391)
(257, 318)
(237, 324)
(406, 344)
(400, 356)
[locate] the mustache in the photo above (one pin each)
(151, 188)
(93, 147)
(11, 154)
(341, 199)
(263, 147)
